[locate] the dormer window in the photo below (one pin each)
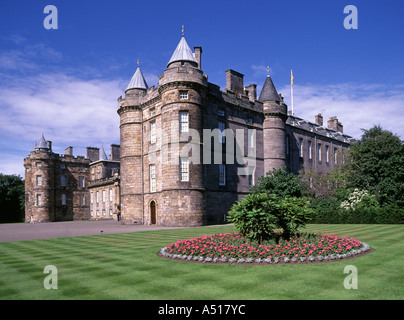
(183, 95)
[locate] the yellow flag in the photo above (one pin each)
(291, 77)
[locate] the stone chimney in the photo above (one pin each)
(93, 153)
(319, 119)
(69, 151)
(198, 56)
(115, 152)
(334, 124)
(251, 92)
(234, 81)
(49, 143)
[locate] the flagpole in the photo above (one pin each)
(291, 89)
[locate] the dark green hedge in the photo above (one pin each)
(329, 213)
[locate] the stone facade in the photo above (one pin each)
(57, 186)
(188, 150)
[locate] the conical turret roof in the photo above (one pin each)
(103, 155)
(137, 81)
(268, 92)
(182, 53)
(42, 144)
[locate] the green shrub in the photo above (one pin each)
(258, 215)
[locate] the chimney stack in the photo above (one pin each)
(234, 81)
(319, 119)
(251, 92)
(198, 56)
(69, 151)
(334, 124)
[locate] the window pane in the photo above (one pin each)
(184, 121)
(222, 174)
(184, 173)
(152, 178)
(153, 132)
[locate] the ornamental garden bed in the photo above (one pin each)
(235, 248)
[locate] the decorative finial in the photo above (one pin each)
(138, 62)
(182, 31)
(267, 71)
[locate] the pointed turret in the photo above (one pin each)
(183, 52)
(268, 92)
(137, 81)
(42, 143)
(103, 155)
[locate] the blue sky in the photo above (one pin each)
(66, 81)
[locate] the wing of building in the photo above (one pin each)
(188, 151)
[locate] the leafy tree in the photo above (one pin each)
(280, 183)
(12, 200)
(377, 165)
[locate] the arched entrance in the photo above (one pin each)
(152, 212)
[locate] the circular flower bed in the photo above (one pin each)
(234, 248)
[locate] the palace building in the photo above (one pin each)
(188, 150)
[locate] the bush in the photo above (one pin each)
(258, 215)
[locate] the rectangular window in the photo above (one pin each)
(251, 180)
(319, 151)
(63, 181)
(98, 212)
(222, 175)
(220, 113)
(63, 199)
(152, 168)
(327, 154)
(92, 197)
(104, 196)
(103, 212)
(98, 197)
(110, 212)
(309, 149)
(110, 195)
(83, 200)
(335, 156)
(184, 169)
(92, 212)
(81, 181)
(251, 138)
(62, 166)
(38, 164)
(39, 180)
(222, 137)
(300, 147)
(153, 132)
(183, 95)
(38, 199)
(184, 121)
(152, 112)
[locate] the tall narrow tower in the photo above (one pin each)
(275, 113)
(131, 134)
(182, 88)
(39, 183)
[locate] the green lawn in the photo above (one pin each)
(125, 266)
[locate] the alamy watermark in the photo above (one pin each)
(351, 281)
(51, 20)
(351, 20)
(51, 280)
(216, 147)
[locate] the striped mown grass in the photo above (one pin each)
(125, 266)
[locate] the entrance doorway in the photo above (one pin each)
(153, 212)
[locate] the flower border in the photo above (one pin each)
(365, 248)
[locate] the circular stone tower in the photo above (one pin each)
(182, 89)
(130, 112)
(275, 116)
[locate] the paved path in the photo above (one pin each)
(27, 231)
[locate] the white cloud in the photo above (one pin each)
(70, 111)
(357, 106)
